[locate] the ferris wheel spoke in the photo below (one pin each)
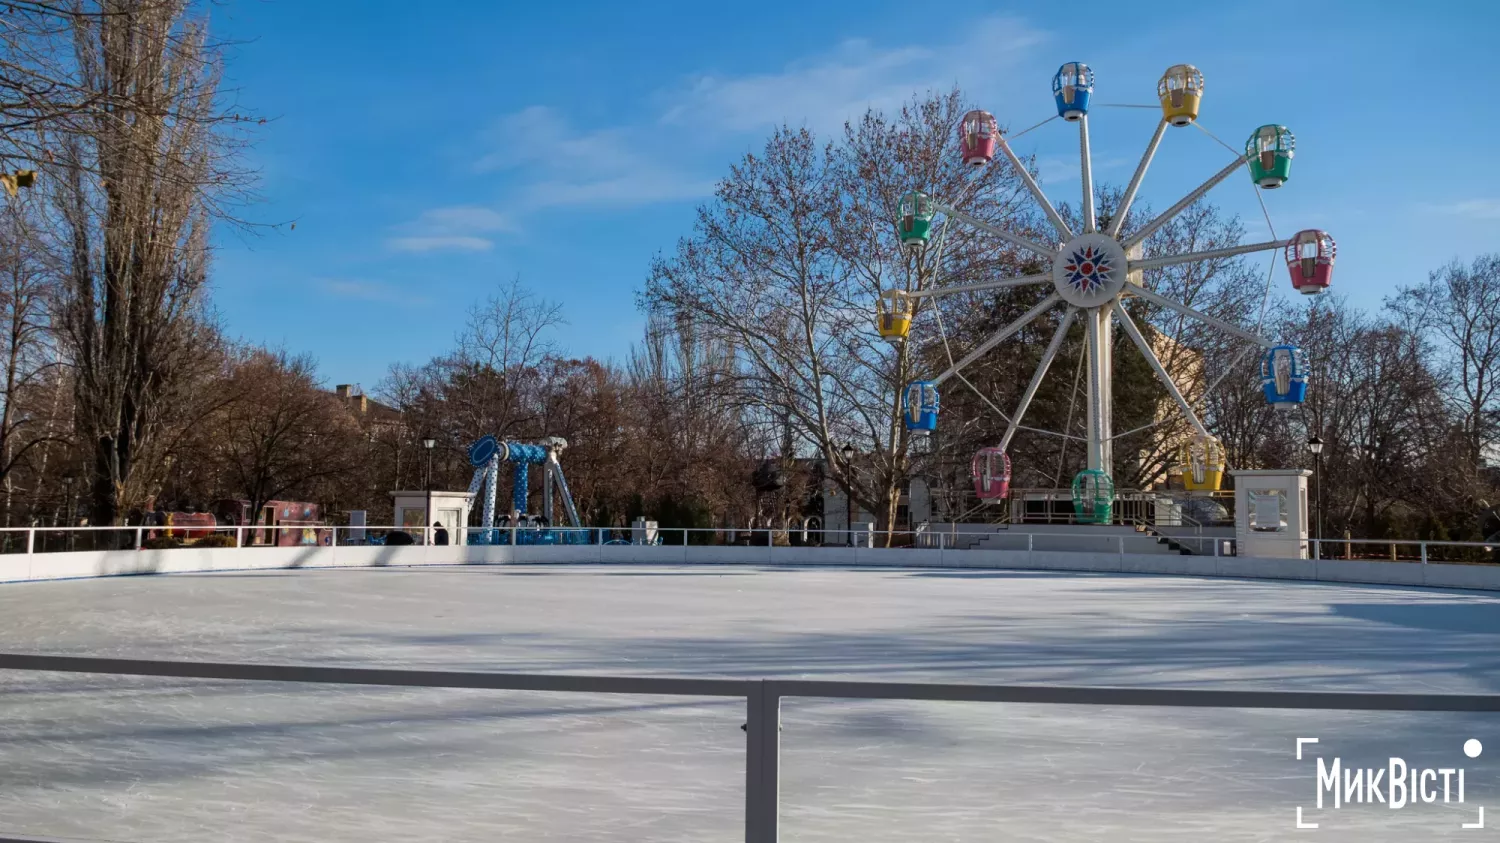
(1123, 210)
(1233, 366)
(1013, 239)
(1171, 304)
(1212, 254)
(1150, 228)
(999, 284)
(1086, 162)
(1161, 371)
(1000, 336)
(1036, 379)
(1036, 191)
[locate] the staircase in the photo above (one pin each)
(1076, 538)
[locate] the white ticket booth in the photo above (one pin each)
(1270, 512)
(451, 509)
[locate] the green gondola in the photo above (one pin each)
(916, 221)
(1270, 150)
(1093, 497)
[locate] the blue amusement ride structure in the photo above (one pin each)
(486, 455)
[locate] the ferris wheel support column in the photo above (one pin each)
(1118, 220)
(1100, 450)
(1086, 162)
(1161, 371)
(1036, 379)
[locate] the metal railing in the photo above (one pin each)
(762, 700)
(950, 537)
(1404, 550)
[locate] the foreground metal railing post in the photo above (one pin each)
(30, 540)
(762, 762)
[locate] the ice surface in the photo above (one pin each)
(109, 758)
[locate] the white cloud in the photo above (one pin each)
(472, 218)
(440, 243)
(366, 290)
(613, 166)
(551, 161)
(457, 227)
(824, 91)
(1479, 209)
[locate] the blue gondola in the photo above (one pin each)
(920, 407)
(1071, 88)
(1283, 376)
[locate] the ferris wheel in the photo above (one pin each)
(1091, 272)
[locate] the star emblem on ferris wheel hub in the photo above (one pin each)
(1088, 269)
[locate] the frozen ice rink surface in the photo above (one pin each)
(106, 758)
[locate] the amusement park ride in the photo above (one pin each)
(486, 455)
(1091, 272)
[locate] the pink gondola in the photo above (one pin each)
(976, 137)
(1309, 257)
(991, 470)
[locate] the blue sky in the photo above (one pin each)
(427, 156)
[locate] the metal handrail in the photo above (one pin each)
(763, 700)
(759, 536)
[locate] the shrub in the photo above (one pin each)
(161, 543)
(215, 540)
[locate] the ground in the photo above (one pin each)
(103, 758)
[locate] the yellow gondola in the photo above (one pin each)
(1180, 90)
(1202, 464)
(893, 315)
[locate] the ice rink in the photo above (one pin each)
(103, 758)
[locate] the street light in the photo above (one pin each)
(429, 443)
(848, 452)
(1315, 447)
(67, 480)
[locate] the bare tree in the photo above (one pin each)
(278, 433)
(137, 196)
(1457, 310)
(27, 353)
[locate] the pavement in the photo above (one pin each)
(139, 759)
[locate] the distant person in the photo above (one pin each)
(439, 533)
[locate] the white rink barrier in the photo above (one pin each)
(80, 564)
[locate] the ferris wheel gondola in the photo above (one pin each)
(1089, 271)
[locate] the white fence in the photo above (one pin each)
(19, 567)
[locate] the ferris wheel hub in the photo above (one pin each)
(1090, 270)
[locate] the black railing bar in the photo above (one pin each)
(663, 686)
(673, 686)
(51, 840)
(1117, 696)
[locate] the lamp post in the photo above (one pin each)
(848, 452)
(1315, 447)
(68, 507)
(428, 443)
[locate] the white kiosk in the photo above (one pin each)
(451, 508)
(1270, 512)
